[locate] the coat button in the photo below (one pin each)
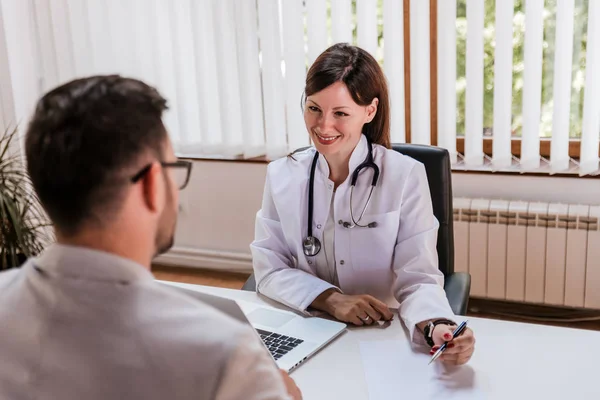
(340, 222)
(342, 262)
(319, 226)
(310, 263)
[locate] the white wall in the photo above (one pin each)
(216, 224)
(216, 220)
(527, 188)
(219, 205)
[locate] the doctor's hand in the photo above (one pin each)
(290, 385)
(459, 350)
(355, 309)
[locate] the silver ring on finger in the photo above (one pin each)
(366, 319)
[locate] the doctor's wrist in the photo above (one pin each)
(429, 327)
(326, 300)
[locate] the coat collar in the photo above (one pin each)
(84, 263)
(356, 158)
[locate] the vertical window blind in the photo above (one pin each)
(511, 81)
(527, 84)
(232, 71)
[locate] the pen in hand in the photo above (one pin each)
(457, 332)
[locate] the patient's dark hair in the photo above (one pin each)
(84, 141)
(363, 77)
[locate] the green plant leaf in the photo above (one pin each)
(24, 226)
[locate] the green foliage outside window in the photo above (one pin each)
(519, 27)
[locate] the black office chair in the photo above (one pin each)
(437, 164)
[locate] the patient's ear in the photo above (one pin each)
(153, 184)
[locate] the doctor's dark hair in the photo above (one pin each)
(363, 77)
(85, 141)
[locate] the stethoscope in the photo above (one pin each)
(311, 244)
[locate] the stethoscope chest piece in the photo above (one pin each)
(311, 246)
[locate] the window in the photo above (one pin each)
(526, 64)
(501, 84)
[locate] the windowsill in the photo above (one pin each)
(265, 160)
(255, 160)
(528, 174)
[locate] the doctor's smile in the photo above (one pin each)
(326, 140)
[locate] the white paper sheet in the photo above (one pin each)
(394, 369)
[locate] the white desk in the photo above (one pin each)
(512, 360)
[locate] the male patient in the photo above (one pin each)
(86, 320)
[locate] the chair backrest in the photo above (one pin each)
(437, 164)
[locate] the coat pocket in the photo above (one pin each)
(373, 248)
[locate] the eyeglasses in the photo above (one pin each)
(181, 172)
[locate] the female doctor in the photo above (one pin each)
(347, 226)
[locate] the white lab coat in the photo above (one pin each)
(395, 262)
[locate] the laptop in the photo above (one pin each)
(289, 338)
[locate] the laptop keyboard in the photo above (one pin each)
(278, 345)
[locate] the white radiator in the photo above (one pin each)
(539, 253)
